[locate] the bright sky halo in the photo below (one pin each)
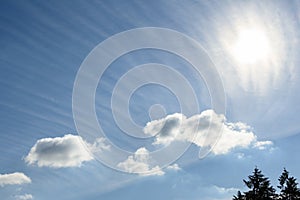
(251, 46)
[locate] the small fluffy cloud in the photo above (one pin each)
(16, 178)
(139, 163)
(66, 151)
(201, 130)
(174, 167)
(24, 197)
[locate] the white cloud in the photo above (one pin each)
(201, 130)
(67, 151)
(220, 193)
(223, 190)
(16, 178)
(24, 197)
(262, 145)
(99, 145)
(167, 129)
(139, 163)
(174, 167)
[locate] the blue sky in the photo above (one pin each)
(253, 45)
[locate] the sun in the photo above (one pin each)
(252, 45)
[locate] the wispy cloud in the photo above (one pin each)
(262, 145)
(174, 167)
(16, 178)
(24, 197)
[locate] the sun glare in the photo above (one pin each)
(251, 46)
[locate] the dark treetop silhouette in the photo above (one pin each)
(260, 187)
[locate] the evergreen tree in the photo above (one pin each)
(239, 196)
(260, 188)
(288, 187)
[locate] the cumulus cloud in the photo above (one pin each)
(67, 151)
(16, 178)
(200, 130)
(24, 197)
(139, 163)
